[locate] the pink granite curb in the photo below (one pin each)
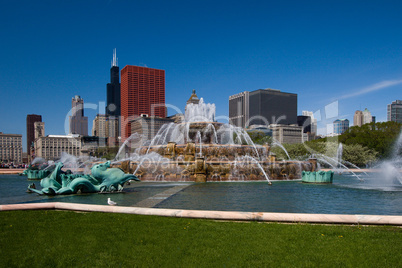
(29, 206)
(218, 215)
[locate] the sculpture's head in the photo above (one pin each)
(99, 168)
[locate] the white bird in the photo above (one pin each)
(110, 202)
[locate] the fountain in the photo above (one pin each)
(201, 149)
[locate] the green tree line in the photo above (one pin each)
(353, 153)
(380, 137)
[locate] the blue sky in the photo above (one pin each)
(328, 52)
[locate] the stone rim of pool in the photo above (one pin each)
(217, 215)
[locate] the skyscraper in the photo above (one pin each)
(239, 109)
(39, 129)
(113, 90)
(367, 118)
(100, 126)
(313, 121)
(304, 121)
(31, 119)
(78, 122)
(340, 126)
(361, 118)
(142, 93)
(263, 107)
(394, 111)
(358, 119)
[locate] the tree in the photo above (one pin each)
(379, 137)
(359, 155)
(353, 153)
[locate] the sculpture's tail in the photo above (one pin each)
(82, 184)
(133, 177)
(33, 190)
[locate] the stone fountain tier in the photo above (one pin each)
(201, 170)
(214, 162)
(206, 130)
(210, 152)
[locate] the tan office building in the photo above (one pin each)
(52, 146)
(290, 134)
(10, 148)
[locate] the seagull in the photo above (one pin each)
(110, 202)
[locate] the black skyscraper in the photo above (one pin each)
(263, 107)
(113, 90)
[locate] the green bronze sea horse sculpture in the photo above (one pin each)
(102, 179)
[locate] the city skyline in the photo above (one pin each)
(334, 52)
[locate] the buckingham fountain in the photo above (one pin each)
(199, 149)
(196, 149)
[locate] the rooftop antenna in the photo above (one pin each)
(115, 60)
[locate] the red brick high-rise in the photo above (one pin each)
(142, 92)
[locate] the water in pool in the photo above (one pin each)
(346, 195)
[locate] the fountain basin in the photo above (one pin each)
(192, 162)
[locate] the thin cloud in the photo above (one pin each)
(375, 87)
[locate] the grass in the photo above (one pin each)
(70, 239)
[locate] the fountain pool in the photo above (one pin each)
(346, 195)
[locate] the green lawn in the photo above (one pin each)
(70, 239)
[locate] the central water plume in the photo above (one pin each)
(201, 112)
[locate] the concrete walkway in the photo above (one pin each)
(218, 215)
(156, 199)
(11, 171)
